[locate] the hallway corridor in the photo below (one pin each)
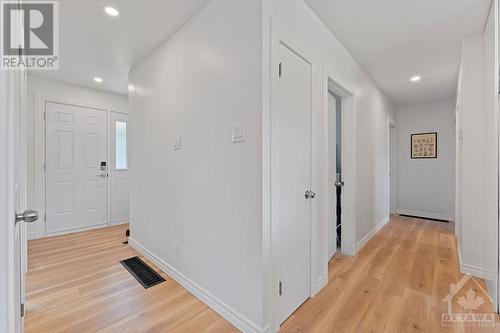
(396, 283)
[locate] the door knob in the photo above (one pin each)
(339, 183)
(29, 216)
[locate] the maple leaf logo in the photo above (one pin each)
(470, 301)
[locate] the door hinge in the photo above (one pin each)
(279, 70)
(280, 289)
(22, 309)
(45, 115)
(44, 217)
(45, 167)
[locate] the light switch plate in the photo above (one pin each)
(239, 133)
(178, 143)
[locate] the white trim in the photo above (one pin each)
(428, 215)
(475, 271)
(74, 230)
(348, 158)
(321, 283)
(228, 313)
(372, 233)
(118, 222)
(391, 173)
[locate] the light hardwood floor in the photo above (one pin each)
(76, 284)
(396, 283)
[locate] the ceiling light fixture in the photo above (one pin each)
(111, 11)
(98, 79)
(416, 78)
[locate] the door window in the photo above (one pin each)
(121, 160)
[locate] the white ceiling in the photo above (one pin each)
(95, 44)
(394, 40)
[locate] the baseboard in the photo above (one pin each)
(234, 317)
(119, 222)
(33, 235)
(435, 216)
(320, 284)
(364, 240)
(475, 271)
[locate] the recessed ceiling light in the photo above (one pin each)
(416, 78)
(111, 11)
(98, 79)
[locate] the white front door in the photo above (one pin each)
(293, 135)
(76, 148)
(119, 167)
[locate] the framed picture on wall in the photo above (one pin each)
(424, 145)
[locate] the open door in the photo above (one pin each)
(13, 254)
(12, 209)
(332, 175)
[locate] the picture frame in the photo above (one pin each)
(424, 145)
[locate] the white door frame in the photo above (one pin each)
(391, 125)
(113, 117)
(348, 198)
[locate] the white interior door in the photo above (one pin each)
(76, 146)
(12, 180)
(119, 168)
(293, 135)
(332, 175)
(18, 195)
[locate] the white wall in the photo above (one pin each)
(41, 90)
(426, 186)
(198, 210)
(299, 25)
(477, 199)
(491, 136)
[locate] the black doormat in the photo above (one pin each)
(146, 276)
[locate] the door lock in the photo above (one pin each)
(29, 216)
(310, 195)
